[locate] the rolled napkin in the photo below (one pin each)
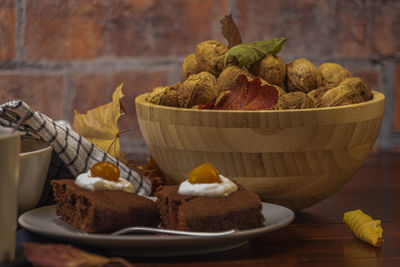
(72, 153)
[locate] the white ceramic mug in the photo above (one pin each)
(34, 162)
(9, 175)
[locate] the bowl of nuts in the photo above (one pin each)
(293, 133)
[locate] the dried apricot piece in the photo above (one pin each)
(106, 170)
(206, 173)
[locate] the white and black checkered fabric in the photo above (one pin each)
(72, 153)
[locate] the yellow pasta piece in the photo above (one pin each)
(364, 227)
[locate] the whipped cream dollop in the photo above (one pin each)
(87, 181)
(222, 189)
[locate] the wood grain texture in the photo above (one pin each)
(295, 158)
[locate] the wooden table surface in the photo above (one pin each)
(317, 237)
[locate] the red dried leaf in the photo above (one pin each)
(206, 106)
(249, 95)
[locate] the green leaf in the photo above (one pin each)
(247, 54)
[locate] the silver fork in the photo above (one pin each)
(142, 229)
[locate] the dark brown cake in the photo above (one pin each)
(102, 211)
(240, 210)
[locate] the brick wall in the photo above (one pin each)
(62, 55)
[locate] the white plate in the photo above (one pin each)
(45, 221)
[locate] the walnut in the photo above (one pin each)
(210, 56)
(166, 96)
(155, 95)
(316, 95)
(294, 100)
(341, 95)
(227, 78)
(332, 74)
(271, 68)
(302, 75)
(361, 86)
(199, 88)
(190, 66)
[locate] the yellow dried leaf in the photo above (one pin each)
(364, 227)
(100, 125)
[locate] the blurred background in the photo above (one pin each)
(59, 55)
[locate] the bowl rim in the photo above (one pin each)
(377, 97)
(34, 152)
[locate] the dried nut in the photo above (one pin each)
(294, 100)
(171, 97)
(271, 68)
(340, 96)
(332, 74)
(199, 88)
(190, 66)
(302, 75)
(227, 78)
(210, 56)
(316, 95)
(359, 85)
(155, 95)
(166, 96)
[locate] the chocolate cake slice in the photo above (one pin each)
(102, 211)
(240, 210)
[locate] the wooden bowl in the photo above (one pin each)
(294, 158)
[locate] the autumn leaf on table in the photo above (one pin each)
(100, 125)
(364, 227)
(248, 95)
(63, 255)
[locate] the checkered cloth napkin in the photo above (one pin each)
(72, 153)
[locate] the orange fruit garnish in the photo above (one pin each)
(206, 173)
(106, 170)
